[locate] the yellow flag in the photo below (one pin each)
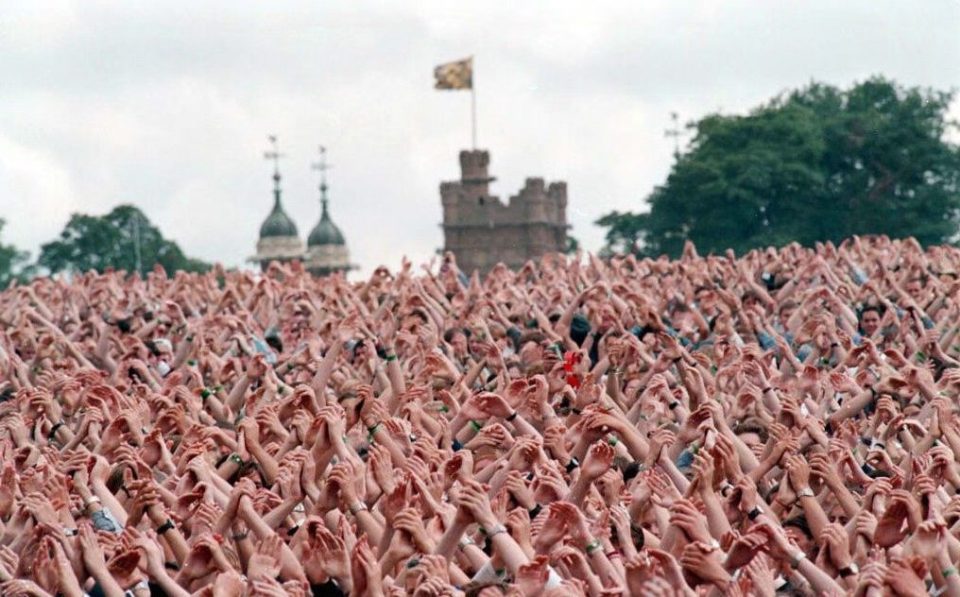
(454, 75)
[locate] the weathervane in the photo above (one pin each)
(275, 155)
(322, 166)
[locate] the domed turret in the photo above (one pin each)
(279, 239)
(326, 247)
(278, 223)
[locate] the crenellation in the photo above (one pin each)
(483, 231)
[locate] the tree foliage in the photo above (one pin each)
(112, 241)
(814, 164)
(12, 261)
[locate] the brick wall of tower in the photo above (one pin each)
(482, 231)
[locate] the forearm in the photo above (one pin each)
(818, 579)
(169, 586)
(106, 581)
(716, 518)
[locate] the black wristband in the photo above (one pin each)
(54, 430)
(753, 514)
(572, 465)
(513, 416)
(165, 527)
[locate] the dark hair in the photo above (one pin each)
(799, 522)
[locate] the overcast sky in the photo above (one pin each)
(167, 105)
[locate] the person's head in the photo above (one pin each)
(870, 320)
(786, 311)
(751, 300)
(457, 339)
(798, 530)
(914, 288)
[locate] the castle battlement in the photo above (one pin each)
(482, 230)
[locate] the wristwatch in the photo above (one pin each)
(850, 570)
(805, 492)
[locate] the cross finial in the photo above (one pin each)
(322, 166)
(275, 155)
(675, 132)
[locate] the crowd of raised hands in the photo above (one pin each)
(784, 422)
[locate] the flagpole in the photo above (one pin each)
(473, 106)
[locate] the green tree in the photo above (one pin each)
(114, 240)
(12, 261)
(814, 164)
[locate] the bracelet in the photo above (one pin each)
(767, 389)
(91, 501)
(475, 426)
(240, 536)
(949, 571)
(612, 554)
(612, 440)
(592, 546)
(796, 558)
(495, 531)
(373, 428)
(165, 527)
(753, 514)
(465, 542)
(512, 416)
(355, 508)
(390, 357)
(674, 404)
(235, 458)
(574, 463)
(805, 492)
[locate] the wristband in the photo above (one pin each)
(475, 426)
(512, 416)
(754, 513)
(165, 527)
(949, 571)
(91, 501)
(592, 546)
(674, 404)
(390, 357)
(54, 430)
(496, 530)
(236, 459)
(612, 440)
(805, 492)
(355, 508)
(463, 543)
(239, 536)
(796, 558)
(574, 463)
(847, 571)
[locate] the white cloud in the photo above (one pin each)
(167, 105)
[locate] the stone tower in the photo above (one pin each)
(481, 231)
(326, 248)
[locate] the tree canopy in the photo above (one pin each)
(12, 261)
(814, 164)
(114, 241)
